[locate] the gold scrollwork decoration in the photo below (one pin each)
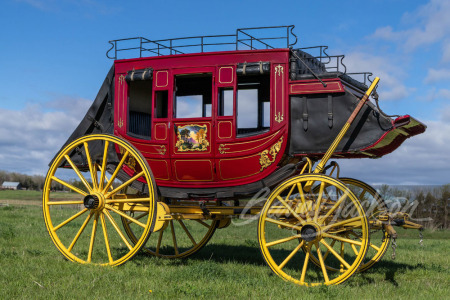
(162, 150)
(120, 123)
(130, 161)
(279, 70)
(279, 117)
(265, 160)
(121, 79)
(223, 149)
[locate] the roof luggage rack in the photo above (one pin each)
(244, 39)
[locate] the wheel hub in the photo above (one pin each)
(310, 232)
(94, 201)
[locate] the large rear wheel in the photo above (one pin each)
(83, 219)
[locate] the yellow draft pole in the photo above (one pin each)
(319, 168)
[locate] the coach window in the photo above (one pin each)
(225, 101)
(161, 104)
(193, 96)
(139, 108)
(253, 104)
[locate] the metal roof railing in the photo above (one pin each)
(244, 39)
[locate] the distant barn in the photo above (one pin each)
(10, 185)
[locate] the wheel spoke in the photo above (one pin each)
(290, 193)
(305, 264)
(341, 266)
(319, 200)
(302, 198)
(287, 259)
(125, 216)
(114, 224)
(138, 217)
(80, 231)
(328, 251)
(336, 205)
(74, 167)
(362, 195)
(322, 264)
(187, 232)
(283, 224)
(340, 223)
(353, 246)
(283, 240)
(105, 234)
(91, 168)
(94, 231)
(341, 239)
(174, 238)
(76, 190)
(116, 171)
(123, 185)
(70, 219)
(374, 247)
(290, 209)
(335, 254)
(64, 202)
(203, 223)
(158, 245)
(131, 200)
(103, 170)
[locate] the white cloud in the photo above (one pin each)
(386, 33)
(29, 138)
(390, 72)
(435, 75)
(431, 25)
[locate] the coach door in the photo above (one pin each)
(192, 136)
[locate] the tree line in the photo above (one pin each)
(429, 205)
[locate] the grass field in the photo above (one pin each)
(229, 267)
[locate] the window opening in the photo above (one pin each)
(193, 95)
(253, 104)
(161, 104)
(225, 106)
(139, 108)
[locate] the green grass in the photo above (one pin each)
(31, 195)
(230, 267)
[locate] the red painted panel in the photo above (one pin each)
(160, 169)
(241, 167)
(193, 170)
(316, 87)
(160, 131)
(226, 75)
(162, 79)
(225, 129)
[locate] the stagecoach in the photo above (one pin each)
(186, 134)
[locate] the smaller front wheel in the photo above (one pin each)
(306, 212)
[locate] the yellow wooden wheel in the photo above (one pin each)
(296, 216)
(373, 204)
(84, 221)
(178, 238)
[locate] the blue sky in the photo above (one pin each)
(53, 63)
